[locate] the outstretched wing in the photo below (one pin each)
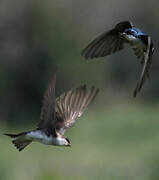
(105, 44)
(146, 65)
(71, 105)
(47, 116)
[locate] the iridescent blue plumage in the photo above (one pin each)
(135, 31)
(114, 40)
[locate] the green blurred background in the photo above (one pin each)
(118, 137)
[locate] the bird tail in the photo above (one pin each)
(19, 140)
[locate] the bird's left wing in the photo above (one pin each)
(105, 44)
(146, 65)
(47, 116)
(71, 105)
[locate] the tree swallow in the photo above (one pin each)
(113, 40)
(56, 116)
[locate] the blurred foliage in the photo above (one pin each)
(118, 141)
(39, 37)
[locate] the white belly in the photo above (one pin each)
(135, 41)
(40, 136)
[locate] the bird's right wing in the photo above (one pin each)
(105, 44)
(71, 105)
(146, 64)
(47, 116)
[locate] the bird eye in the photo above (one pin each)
(67, 140)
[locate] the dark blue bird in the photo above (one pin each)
(113, 40)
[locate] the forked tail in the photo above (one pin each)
(19, 140)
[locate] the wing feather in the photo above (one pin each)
(47, 116)
(105, 44)
(71, 105)
(146, 65)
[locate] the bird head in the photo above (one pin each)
(129, 34)
(120, 27)
(130, 31)
(67, 143)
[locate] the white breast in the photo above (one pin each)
(59, 141)
(40, 136)
(131, 38)
(135, 41)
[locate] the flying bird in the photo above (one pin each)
(57, 114)
(114, 40)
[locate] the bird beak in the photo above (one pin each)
(122, 34)
(69, 145)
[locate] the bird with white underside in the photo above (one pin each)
(57, 114)
(114, 40)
